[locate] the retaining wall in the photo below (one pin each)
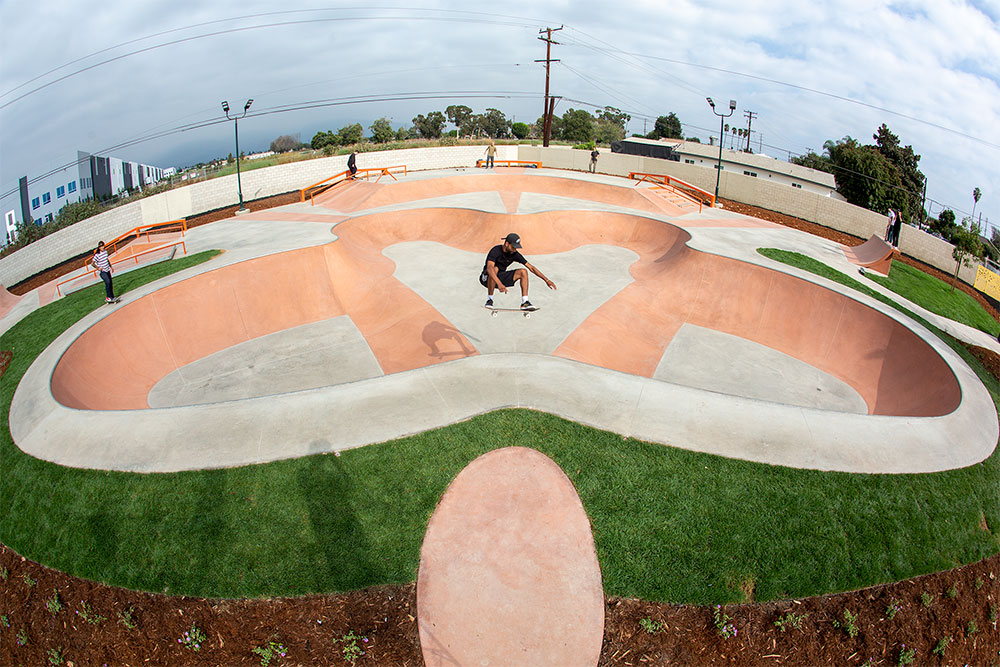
(774, 196)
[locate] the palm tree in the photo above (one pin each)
(976, 194)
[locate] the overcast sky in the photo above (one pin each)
(92, 76)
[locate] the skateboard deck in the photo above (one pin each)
(494, 311)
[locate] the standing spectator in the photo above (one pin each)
(491, 151)
(593, 160)
(352, 164)
(888, 227)
(895, 229)
(103, 264)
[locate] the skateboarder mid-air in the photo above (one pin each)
(495, 274)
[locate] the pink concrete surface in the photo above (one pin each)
(7, 300)
(375, 195)
(508, 572)
(874, 254)
(892, 368)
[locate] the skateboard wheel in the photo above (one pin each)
(494, 313)
(527, 316)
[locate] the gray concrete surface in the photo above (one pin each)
(359, 410)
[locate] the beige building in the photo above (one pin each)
(748, 164)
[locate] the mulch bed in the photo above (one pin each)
(962, 606)
(88, 623)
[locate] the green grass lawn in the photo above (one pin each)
(668, 524)
(937, 296)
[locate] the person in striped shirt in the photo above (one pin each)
(103, 264)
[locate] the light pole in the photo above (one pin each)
(236, 125)
(722, 117)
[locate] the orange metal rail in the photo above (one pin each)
(93, 271)
(510, 163)
(333, 181)
(683, 188)
(112, 245)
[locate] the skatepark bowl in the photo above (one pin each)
(380, 334)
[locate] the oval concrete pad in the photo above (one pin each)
(508, 571)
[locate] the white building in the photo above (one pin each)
(748, 164)
(84, 177)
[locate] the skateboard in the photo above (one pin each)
(494, 311)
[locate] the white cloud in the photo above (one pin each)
(938, 61)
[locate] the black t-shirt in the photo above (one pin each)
(502, 259)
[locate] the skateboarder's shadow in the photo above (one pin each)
(436, 332)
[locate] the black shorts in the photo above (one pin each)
(506, 278)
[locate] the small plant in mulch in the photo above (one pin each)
(89, 615)
(28, 581)
(724, 624)
(192, 639)
(54, 604)
(994, 612)
(790, 620)
(850, 623)
(3, 573)
(906, 655)
(21, 637)
(952, 592)
(351, 650)
(926, 599)
(942, 645)
(125, 618)
(894, 608)
(272, 650)
(55, 656)
(4, 621)
(650, 626)
(972, 628)
(979, 583)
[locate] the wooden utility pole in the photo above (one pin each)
(750, 116)
(549, 105)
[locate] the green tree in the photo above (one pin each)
(944, 225)
(615, 116)
(908, 177)
(967, 246)
(865, 177)
(404, 133)
(382, 131)
(321, 139)
(350, 134)
(557, 123)
(520, 130)
(577, 126)
(813, 160)
(606, 131)
(460, 116)
(285, 143)
(430, 126)
(493, 123)
(668, 127)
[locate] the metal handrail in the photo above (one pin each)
(344, 176)
(94, 271)
(675, 184)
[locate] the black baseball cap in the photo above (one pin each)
(513, 239)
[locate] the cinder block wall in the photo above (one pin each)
(761, 192)
(218, 193)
